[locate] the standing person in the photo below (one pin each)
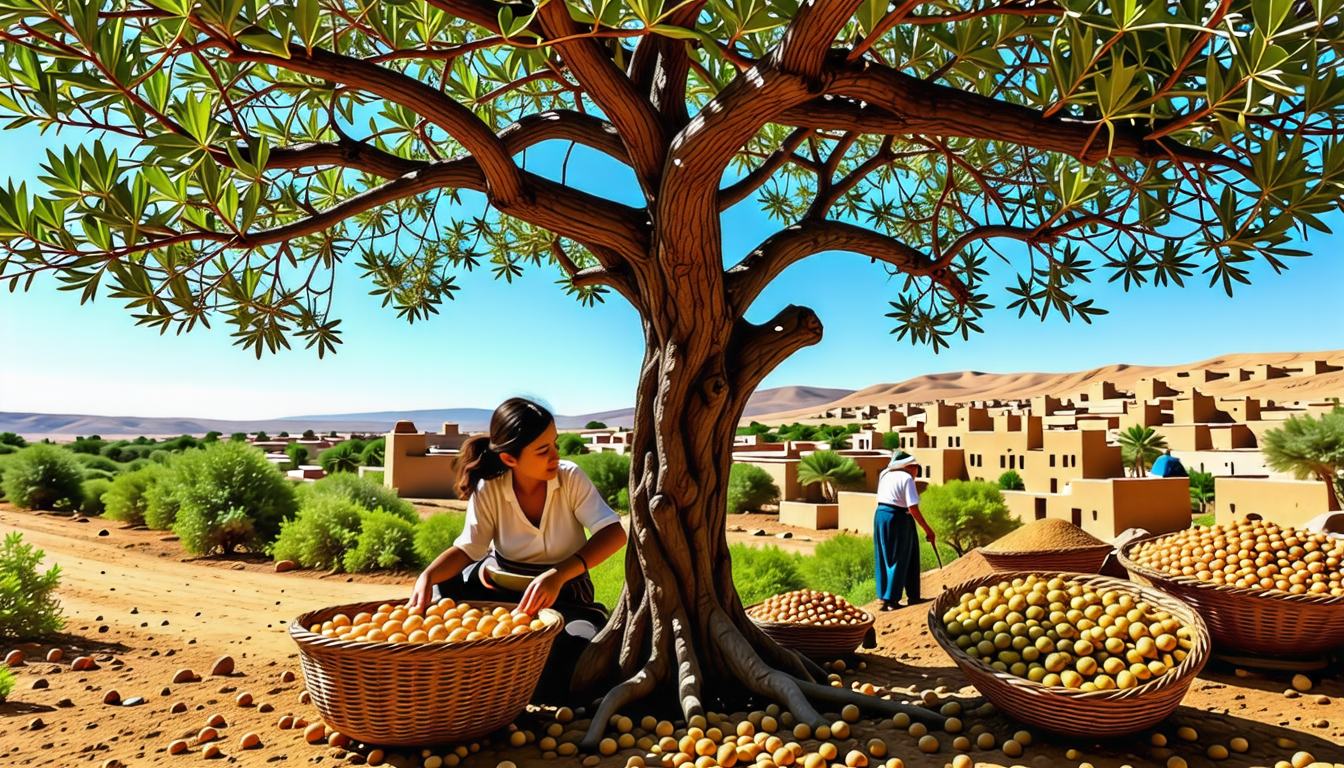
(526, 514)
(897, 548)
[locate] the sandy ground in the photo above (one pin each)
(142, 608)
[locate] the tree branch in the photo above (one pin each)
(738, 191)
(660, 66)
(745, 281)
(756, 350)
(633, 116)
(503, 177)
(807, 41)
(901, 104)
(346, 153)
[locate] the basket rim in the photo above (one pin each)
(1274, 594)
(985, 551)
(299, 632)
(867, 622)
(1186, 669)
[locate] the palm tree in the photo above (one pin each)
(1201, 491)
(835, 473)
(342, 457)
(1305, 446)
(1140, 447)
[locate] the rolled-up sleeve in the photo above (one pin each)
(478, 532)
(590, 509)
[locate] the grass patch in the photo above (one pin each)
(1202, 521)
(608, 579)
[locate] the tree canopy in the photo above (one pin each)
(245, 149)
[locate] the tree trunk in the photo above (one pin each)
(679, 626)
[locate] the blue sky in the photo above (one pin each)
(498, 340)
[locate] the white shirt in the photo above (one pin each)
(897, 488)
(494, 516)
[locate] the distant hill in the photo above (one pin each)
(977, 385)
(67, 426)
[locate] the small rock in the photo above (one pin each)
(40, 683)
(315, 733)
(112, 762)
(305, 698)
(14, 658)
(135, 611)
(265, 707)
(36, 724)
(758, 532)
(184, 675)
(1302, 683)
(287, 676)
(112, 697)
(104, 532)
(179, 708)
(134, 701)
(1321, 724)
(55, 655)
(243, 699)
(227, 688)
(784, 535)
(285, 565)
(217, 720)
(1322, 699)
(166, 692)
(65, 703)
(239, 566)
(177, 747)
(210, 751)
(285, 723)
(222, 666)
(206, 734)
(83, 663)
(249, 741)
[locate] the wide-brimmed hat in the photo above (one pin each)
(901, 459)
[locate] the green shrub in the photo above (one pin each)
(161, 504)
(160, 456)
(571, 444)
(749, 488)
(98, 474)
(44, 477)
(1203, 521)
(126, 499)
(436, 533)
(9, 438)
(367, 493)
(1011, 481)
(6, 683)
(96, 461)
(609, 579)
(28, 607)
(92, 444)
(298, 454)
(840, 564)
(610, 472)
(325, 529)
(863, 593)
(760, 572)
(6, 448)
(374, 453)
(342, 457)
(385, 541)
(967, 514)
(228, 496)
(211, 437)
(94, 489)
(594, 425)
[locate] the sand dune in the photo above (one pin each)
(978, 385)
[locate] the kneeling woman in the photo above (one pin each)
(526, 514)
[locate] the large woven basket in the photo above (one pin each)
(1074, 560)
(1251, 620)
(1068, 711)
(817, 641)
(402, 694)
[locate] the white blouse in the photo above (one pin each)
(494, 516)
(897, 488)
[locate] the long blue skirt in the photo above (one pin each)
(897, 553)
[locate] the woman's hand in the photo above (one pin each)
(423, 593)
(542, 592)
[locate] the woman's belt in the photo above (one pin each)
(577, 590)
(892, 508)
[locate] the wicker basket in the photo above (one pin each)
(819, 642)
(1075, 560)
(1251, 620)
(1089, 714)
(399, 694)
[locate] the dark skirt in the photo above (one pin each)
(584, 616)
(897, 553)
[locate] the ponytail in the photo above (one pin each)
(515, 424)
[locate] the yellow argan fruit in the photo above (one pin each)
(607, 747)
(900, 720)
(840, 729)
(850, 714)
(877, 748)
(823, 732)
(517, 739)
(745, 728)
(769, 724)
(1176, 761)
(1187, 733)
(985, 741)
(1302, 759)
(1217, 752)
(953, 725)
(918, 730)
(625, 725)
(1023, 738)
(800, 731)
(961, 744)
(1012, 748)
(564, 715)
(856, 759)
(928, 744)
(827, 751)
(1239, 744)
(814, 760)
(951, 709)
(961, 761)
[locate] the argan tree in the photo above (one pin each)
(240, 151)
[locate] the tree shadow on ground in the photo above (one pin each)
(35, 649)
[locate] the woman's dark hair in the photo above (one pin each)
(515, 424)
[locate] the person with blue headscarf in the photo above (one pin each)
(894, 538)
